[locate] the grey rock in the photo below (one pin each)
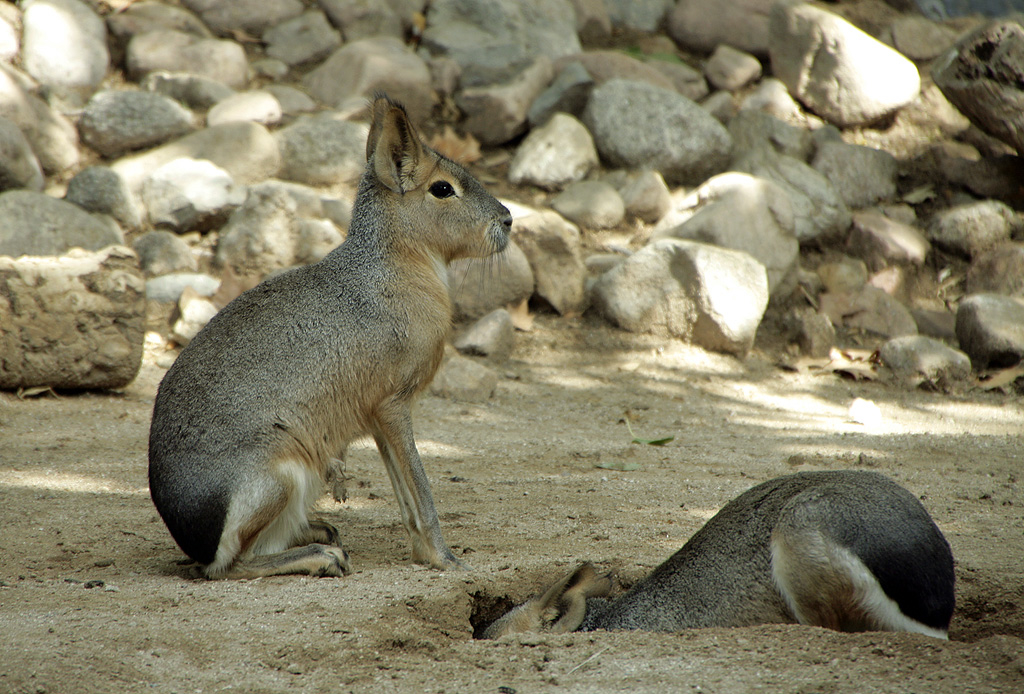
(701, 25)
(496, 113)
(175, 51)
(190, 195)
(117, 121)
(638, 15)
(731, 69)
(923, 361)
(151, 15)
(258, 106)
(261, 236)
(990, 329)
(937, 323)
(100, 189)
(462, 379)
(839, 72)
(491, 336)
(982, 77)
(53, 138)
(494, 39)
(845, 275)
(869, 309)
(64, 46)
(590, 204)
(999, 270)
(862, 175)
(636, 125)
(19, 167)
(304, 39)
(920, 38)
(362, 19)
(812, 331)
(195, 91)
(753, 131)
(478, 286)
(358, 69)
(559, 152)
(74, 321)
(686, 80)
(553, 248)
(744, 213)
(169, 288)
(249, 16)
(245, 150)
(36, 224)
(593, 24)
(645, 195)
(880, 241)
(568, 93)
(315, 239)
(292, 101)
(772, 97)
(445, 75)
(708, 296)
(163, 252)
(973, 228)
(721, 105)
(322, 149)
(606, 65)
(10, 33)
(194, 312)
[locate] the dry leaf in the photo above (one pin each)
(36, 391)
(463, 150)
(1003, 378)
(858, 364)
(522, 319)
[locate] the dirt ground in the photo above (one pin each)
(95, 596)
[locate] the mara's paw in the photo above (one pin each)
(336, 562)
(323, 533)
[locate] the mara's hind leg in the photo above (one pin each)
(827, 585)
(313, 559)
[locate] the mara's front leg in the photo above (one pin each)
(393, 434)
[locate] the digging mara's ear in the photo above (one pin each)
(559, 610)
(399, 158)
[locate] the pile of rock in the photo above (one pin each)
(226, 135)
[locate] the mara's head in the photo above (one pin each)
(433, 203)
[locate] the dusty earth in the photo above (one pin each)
(95, 596)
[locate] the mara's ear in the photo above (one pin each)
(394, 147)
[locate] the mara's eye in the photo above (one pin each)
(441, 189)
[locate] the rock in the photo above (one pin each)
(568, 93)
(701, 25)
(74, 321)
(731, 69)
(37, 224)
(940, 324)
(258, 106)
(812, 331)
(982, 76)
(920, 38)
(772, 97)
(846, 275)
(607, 65)
(708, 296)
(54, 140)
(990, 329)
(117, 121)
(922, 361)
(19, 167)
(869, 309)
(990, 177)
(176, 51)
(559, 152)
(590, 204)
(497, 113)
(745, 213)
(249, 16)
(322, 149)
(151, 15)
(593, 24)
(686, 80)
(862, 175)
(162, 252)
(461, 378)
(292, 101)
(645, 195)
(974, 228)
(757, 132)
(190, 195)
(10, 33)
(835, 69)
(999, 270)
(478, 286)
(880, 241)
(169, 288)
(491, 336)
(359, 69)
(361, 19)
(64, 46)
(194, 312)
(636, 125)
(316, 238)
(195, 91)
(553, 248)
(492, 40)
(638, 15)
(721, 105)
(245, 150)
(100, 189)
(304, 39)
(262, 235)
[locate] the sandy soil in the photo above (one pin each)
(95, 596)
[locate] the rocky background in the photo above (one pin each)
(807, 175)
